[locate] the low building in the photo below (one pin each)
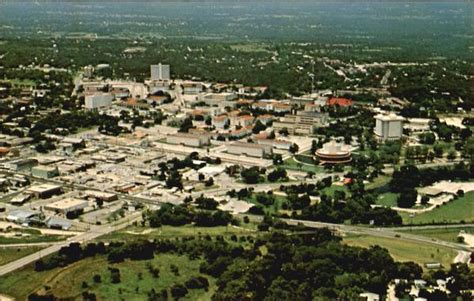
(388, 127)
(20, 199)
(417, 125)
(249, 149)
(45, 172)
(44, 190)
(67, 205)
(220, 122)
(192, 87)
(21, 216)
(55, 222)
(101, 195)
(334, 153)
(22, 164)
(369, 297)
(98, 101)
(188, 139)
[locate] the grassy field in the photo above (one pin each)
(388, 199)
(277, 205)
(455, 211)
(378, 182)
(291, 164)
(171, 232)
(448, 234)
(10, 254)
(333, 188)
(135, 283)
(402, 250)
(29, 236)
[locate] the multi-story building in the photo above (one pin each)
(188, 139)
(303, 123)
(160, 72)
(388, 127)
(97, 101)
(249, 149)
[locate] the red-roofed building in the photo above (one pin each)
(340, 101)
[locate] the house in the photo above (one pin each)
(244, 120)
(221, 121)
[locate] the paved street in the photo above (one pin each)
(94, 233)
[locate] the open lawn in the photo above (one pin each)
(291, 164)
(10, 254)
(333, 188)
(30, 239)
(135, 282)
(378, 182)
(448, 234)
(388, 199)
(402, 250)
(456, 211)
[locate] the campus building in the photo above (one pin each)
(334, 153)
(388, 127)
(249, 149)
(160, 72)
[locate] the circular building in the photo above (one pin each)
(334, 153)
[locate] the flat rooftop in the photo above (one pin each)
(67, 203)
(43, 188)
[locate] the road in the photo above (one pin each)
(377, 232)
(94, 233)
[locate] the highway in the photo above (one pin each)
(377, 232)
(94, 233)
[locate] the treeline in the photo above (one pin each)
(181, 215)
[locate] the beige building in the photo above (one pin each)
(67, 205)
(249, 149)
(303, 123)
(188, 139)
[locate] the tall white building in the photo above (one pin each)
(160, 72)
(96, 101)
(388, 127)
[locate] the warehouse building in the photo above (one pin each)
(100, 195)
(67, 205)
(22, 216)
(44, 190)
(45, 172)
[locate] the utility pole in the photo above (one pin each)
(312, 77)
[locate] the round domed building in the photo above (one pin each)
(334, 153)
